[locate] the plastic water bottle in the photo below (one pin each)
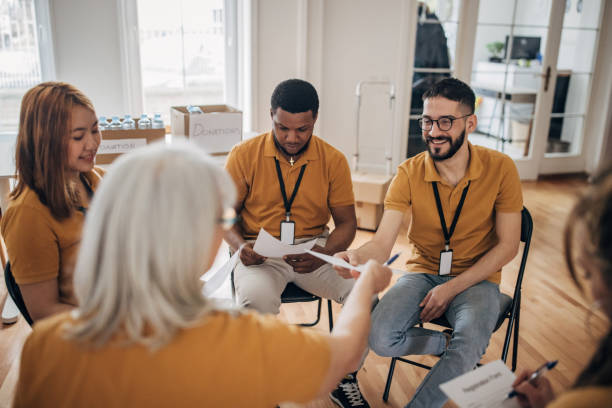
(158, 122)
(115, 123)
(144, 122)
(128, 122)
(194, 109)
(103, 124)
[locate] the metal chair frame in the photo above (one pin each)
(295, 294)
(511, 312)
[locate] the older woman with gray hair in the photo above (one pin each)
(145, 335)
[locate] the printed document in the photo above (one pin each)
(487, 386)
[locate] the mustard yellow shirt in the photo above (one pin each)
(326, 184)
(41, 247)
(494, 186)
(246, 360)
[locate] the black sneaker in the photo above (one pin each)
(347, 394)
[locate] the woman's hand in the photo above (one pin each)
(536, 394)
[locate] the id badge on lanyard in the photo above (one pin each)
(287, 227)
(446, 255)
(287, 232)
(446, 261)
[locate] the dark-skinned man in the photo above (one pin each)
(289, 182)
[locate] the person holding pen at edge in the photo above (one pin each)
(588, 245)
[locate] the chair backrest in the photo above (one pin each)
(11, 286)
(526, 232)
(15, 293)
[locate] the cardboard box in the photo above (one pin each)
(368, 215)
(370, 188)
(216, 130)
(116, 142)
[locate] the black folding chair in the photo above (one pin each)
(510, 308)
(295, 294)
(15, 293)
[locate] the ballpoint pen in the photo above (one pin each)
(537, 374)
(392, 259)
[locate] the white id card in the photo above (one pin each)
(446, 261)
(287, 232)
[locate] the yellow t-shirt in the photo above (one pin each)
(586, 397)
(494, 186)
(246, 360)
(41, 247)
(326, 184)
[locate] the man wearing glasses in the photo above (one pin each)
(465, 206)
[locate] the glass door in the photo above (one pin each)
(434, 55)
(565, 144)
(532, 80)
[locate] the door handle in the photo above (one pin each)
(546, 79)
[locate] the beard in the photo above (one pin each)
(435, 151)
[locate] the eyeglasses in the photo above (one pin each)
(444, 123)
(228, 219)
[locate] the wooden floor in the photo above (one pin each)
(553, 316)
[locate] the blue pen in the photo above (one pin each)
(537, 374)
(392, 259)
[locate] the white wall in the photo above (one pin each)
(333, 44)
(345, 41)
(86, 48)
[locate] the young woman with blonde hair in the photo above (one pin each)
(56, 145)
(145, 335)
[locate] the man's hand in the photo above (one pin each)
(533, 395)
(305, 263)
(436, 302)
(250, 257)
(351, 256)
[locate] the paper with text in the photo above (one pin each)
(270, 247)
(485, 387)
(117, 146)
(335, 261)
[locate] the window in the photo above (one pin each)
(20, 65)
(183, 54)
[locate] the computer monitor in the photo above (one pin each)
(523, 47)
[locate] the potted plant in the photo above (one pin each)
(495, 48)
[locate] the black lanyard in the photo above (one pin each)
(448, 234)
(282, 187)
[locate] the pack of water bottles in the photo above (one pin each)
(128, 123)
(121, 135)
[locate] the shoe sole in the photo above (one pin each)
(336, 401)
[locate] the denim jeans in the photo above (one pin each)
(473, 314)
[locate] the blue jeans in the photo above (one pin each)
(473, 314)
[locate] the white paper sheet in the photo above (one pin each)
(219, 276)
(335, 261)
(485, 387)
(270, 247)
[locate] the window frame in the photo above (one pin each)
(130, 55)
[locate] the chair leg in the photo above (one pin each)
(318, 316)
(389, 378)
(330, 315)
(516, 337)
